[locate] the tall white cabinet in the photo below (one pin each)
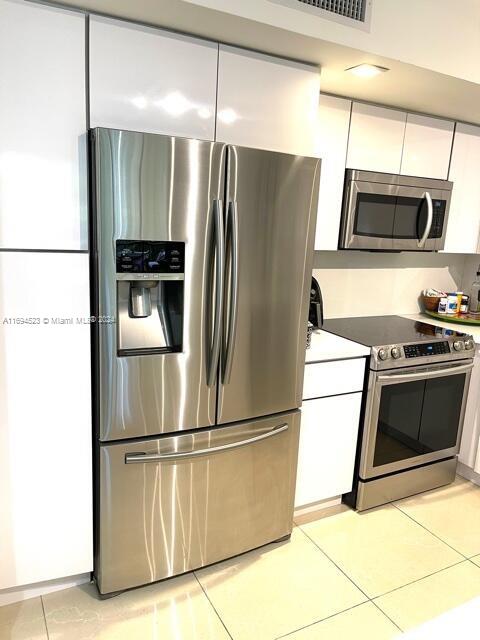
(267, 103)
(45, 434)
(333, 124)
(145, 79)
(43, 197)
(45, 399)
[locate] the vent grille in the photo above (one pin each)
(354, 9)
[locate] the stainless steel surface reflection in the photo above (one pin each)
(167, 517)
(151, 187)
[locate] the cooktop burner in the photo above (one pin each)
(399, 342)
(375, 331)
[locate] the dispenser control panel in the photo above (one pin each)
(143, 256)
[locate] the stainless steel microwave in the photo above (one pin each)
(389, 212)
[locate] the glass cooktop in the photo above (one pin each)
(375, 331)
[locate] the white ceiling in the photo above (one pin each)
(405, 85)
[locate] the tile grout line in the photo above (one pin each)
(312, 624)
(333, 562)
(213, 607)
(429, 575)
(387, 616)
(44, 618)
(431, 532)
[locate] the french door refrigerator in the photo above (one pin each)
(201, 262)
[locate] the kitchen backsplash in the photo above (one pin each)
(366, 283)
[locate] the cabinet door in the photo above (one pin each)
(464, 218)
(427, 147)
(328, 442)
(43, 199)
(267, 103)
(334, 122)
(376, 138)
(145, 79)
(470, 443)
(45, 434)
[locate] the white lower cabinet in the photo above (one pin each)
(470, 445)
(328, 441)
(45, 418)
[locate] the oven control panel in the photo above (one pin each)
(426, 349)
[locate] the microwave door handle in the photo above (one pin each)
(425, 375)
(428, 226)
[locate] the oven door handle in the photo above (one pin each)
(425, 375)
(428, 226)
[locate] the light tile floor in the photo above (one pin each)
(342, 575)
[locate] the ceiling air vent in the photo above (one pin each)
(352, 13)
(354, 9)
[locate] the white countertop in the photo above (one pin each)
(326, 346)
(473, 330)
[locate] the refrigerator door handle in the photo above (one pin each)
(132, 458)
(219, 285)
(232, 244)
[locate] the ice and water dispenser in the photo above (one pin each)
(150, 280)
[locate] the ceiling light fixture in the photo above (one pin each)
(367, 70)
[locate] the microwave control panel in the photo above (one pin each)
(142, 256)
(438, 217)
(429, 349)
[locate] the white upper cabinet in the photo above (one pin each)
(463, 225)
(376, 138)
(43, 198)
(267, 103)
(46, 517)
(333, 122)
(427, 147)
(145, 79)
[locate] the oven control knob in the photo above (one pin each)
(469, 344)
(458, 345)
(382, 354)
(396, 352)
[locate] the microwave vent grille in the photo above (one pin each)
(353, 9)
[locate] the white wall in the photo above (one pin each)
(440, 35)
(366, 283)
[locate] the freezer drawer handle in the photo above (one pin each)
(132, 458)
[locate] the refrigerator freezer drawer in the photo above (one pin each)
(177, 503)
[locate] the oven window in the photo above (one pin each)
(410, 218)
(441, 412)
(417, 418)
(399, 422)
(374, 215)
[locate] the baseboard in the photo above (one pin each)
(16, 594)
(468, 473)
(316, 506)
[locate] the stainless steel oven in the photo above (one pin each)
(414, 416)
(388, 212)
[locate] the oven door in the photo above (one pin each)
(388, 217)
(413, 416)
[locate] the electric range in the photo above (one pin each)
(413, 409)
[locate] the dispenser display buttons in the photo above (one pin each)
(149, 257)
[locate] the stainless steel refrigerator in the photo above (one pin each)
(201, 269)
